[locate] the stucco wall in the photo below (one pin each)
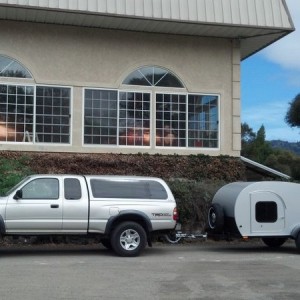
(85, 57)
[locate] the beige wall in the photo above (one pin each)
(86, 57)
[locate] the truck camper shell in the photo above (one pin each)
(266, 209)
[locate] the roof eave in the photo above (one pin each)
(252, 38)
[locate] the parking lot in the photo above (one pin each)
(201, 270)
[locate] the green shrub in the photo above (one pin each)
(193, 200)
(12, 171)
(202, 175)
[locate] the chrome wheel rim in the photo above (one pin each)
(212, 218)
(130, 239)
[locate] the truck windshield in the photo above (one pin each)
(15, 187)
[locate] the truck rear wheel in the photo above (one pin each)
(274, 242)
(128, 239)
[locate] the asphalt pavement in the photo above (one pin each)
(201, 270)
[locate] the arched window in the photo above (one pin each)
(153, 76)
(162, 115)
(32, 113)
(11, 68)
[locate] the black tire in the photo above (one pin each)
(106, 243)
(297, 241)
(274, 242)
(216, 217)
(128, 239)
(171, 238)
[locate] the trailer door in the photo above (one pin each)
(267, 212)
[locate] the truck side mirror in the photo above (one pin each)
(18, 195)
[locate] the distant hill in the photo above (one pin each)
(293, 147)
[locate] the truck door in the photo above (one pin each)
(267, 212)
(37, 209)
(76, 205)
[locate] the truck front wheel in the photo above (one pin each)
(128, 239)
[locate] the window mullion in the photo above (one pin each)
(34, 116)
(118, 119)
(187, 120)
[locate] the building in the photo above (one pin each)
(155, 76)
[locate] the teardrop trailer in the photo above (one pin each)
(269, 210)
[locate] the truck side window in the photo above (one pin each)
(72, 189)
(266, 212)
(41, 188)
(135, 189)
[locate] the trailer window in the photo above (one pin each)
(266, 212)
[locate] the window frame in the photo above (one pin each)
(33, 137)
(218, 121)
(67, 197)
(83, 117)
(42, 198)
(126, 185)
(186, 147)
(155, 120)
(261, 218)
(33, 115)
(70, 114)
(153, 91)
(135, 90)
(19, 63)
(142, 91)
(152, 84)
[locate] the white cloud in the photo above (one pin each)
(271, 115)
(286, 51)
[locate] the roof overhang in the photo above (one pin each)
(252, 37)
(264, 169)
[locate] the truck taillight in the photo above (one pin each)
(175, 214)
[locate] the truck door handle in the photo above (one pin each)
(54, 206)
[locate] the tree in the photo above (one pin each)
(261, 149)
(292, 117)
(254, 145)
(248, 136)
(261, 135)
(247, 133)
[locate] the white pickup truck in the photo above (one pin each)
(123, 210)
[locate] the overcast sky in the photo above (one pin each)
(270, 80)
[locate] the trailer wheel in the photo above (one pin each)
(216, 217)
(274, 242)
(128, 239)
(297, 241)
